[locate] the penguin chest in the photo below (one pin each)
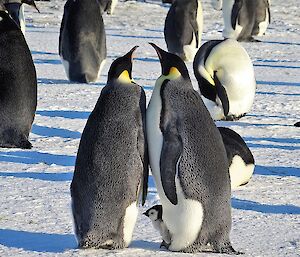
(228, 31)
(264, 24)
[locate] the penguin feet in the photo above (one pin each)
(25, 144)
(164, 245)
(227, 250)
(232, 117)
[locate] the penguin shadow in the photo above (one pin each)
(277, 171)
(276, 66)
(135, 36)
(47, 61)
(248, 205)
(64, 114)
(54, 132)
(281, 43)
(43, 53)
(145, 245)
(278, 83)
(53, 177)
(37, 242)
(53, 81)
(276, 93)
(35, 157)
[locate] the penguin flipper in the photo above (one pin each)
(171, 150)
(221, 92)
(235, 12)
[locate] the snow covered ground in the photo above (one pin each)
(35, 217)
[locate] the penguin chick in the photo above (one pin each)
(155, 215)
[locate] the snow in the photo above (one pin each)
(35, 216)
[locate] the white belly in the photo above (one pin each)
(66, 66)
(240, 172)
(228, 31)
(264, 25)
(22, 19)
(130, 217)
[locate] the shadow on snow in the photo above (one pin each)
(38, 242)
(54, 132)
(264, 208)
(277, 171)
(56, 177)
(64, 114)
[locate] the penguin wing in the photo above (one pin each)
(143, 148)
(221, 92)
(171, 150)
(235, 12)
(194, 24)
(268, 7)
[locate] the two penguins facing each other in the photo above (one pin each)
(82, 38)
(111, 170)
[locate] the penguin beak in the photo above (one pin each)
(162, 55)
(126, 75)
(146, 214)
(31, 3)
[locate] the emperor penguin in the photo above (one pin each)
(15, 9)
(108, 6)
(225, 75)
(82, 40)
(183, 28)
(155, 215)
(188, 162)
(240, 159)
(244, 19)
(18, 85)
(111, 170)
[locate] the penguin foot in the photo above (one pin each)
(25, 144)
(228, 250)
(164, 245)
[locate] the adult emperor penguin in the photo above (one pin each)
(16, 10)
(183, 28)
(240, 158)
(226, 78)
(82, 40)
(18, 85)
(112, 163)
(244, 19)
(188, 161)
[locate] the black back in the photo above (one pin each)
(82, 40)
(18, 86)
(235, 145)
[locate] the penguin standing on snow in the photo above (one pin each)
(112, 165)
(183, 28)
(240, 158)
(226, 78)
(244, 19)
(18, 85)
(190, 171)
(82, 40)
(155, 215)
(15, 9)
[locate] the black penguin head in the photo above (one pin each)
(171, 63)
(31, 3)
(121, 68)
(154, 213)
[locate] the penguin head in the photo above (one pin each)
(31, 3)
(172, 65)
(154, 213)
(121, 68)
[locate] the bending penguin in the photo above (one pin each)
(15, 9)
(183, 28)
(111, 167)
(244, 19)
(226, 78)
(240, 159)
(190, 171)
(18, 85)
(82, 40)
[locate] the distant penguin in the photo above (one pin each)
(18, 85)
(155, 215)
(82, 40)
(183, 28)
(108, 6)
(112, 165)
(15, 9)
(297, 124)
(226, 78)
(188, 162)
(240, 158)
(244, 19)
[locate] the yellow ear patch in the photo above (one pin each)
(124, 77)
(174, 73)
